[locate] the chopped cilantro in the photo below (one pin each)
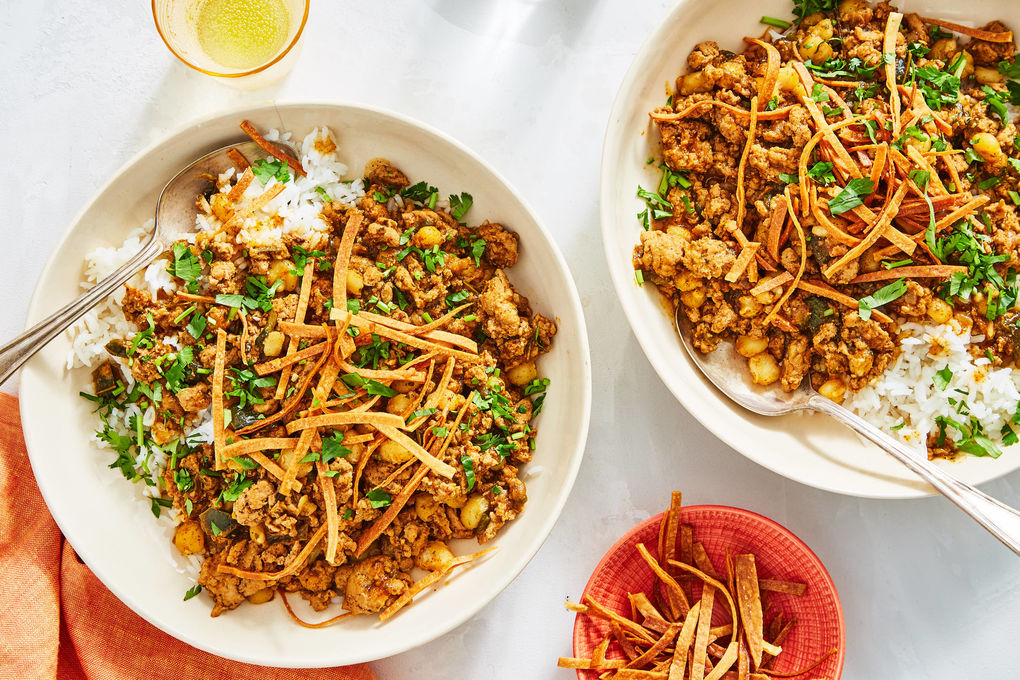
(851, 196)
(186, 266)
(158, 503)
(333, 447)
(459, 205)
(378, 498)
(943, 377)
(880, 297)
(469, 470)
(265, 170)
(821, 173)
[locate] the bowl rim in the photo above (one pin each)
(740, 514)
(37, 308)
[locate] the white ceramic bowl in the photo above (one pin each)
(114, 532)
(812, 449)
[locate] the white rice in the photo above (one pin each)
(291, 217)
(907, 398)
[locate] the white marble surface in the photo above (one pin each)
(528, 84)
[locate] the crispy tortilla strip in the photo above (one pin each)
(237, 158)
(725, 663)
(289, 570)
(598, 655)
(712, 582)
(343, 259)
(899, 239)
(773, 61)
(362, 462)
(808, 669)
(427, 581)
(384, 374)
(779, 639)
(743, 260)
(248, 446)
(235, 193)
(437, 466)
(843, 160)
(980, 34)
(628, 648)
(740, 114)
(307, 331)
(749, 602)
(657, 648)
(377, 527)
(307, 624)
(958, 214)
(772, 282)
(673, 588)
(376, 420)
(267, 367)
(588, 664)
(892, 30)
(678, 663)
(244, 337)
(194, 298)
(363, 324)
(686, 556)
(743, 664)
(307, 277)
(777, 586)
(635, 674)
(435, 335)
(219, 367)
(800, 270)
(930, 271)
(591, 607)
(332, 517)
(702, 560)
(741, 192)
(293, 458)
(916, 206)
(260, 201)
(823, 290)
(777, 219)
(833, 230)
(700, 653)
(440, 322)
(270, 148)
(673, 525)
(652, 619)
(877, 231)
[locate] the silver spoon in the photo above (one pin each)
(175, 215)
(728, 372)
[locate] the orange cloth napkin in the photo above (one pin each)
(58, 621)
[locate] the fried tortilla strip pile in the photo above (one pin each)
(670, 635)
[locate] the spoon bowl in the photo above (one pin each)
(175, 216)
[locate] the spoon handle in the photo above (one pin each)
(999, 519)
(20, 349)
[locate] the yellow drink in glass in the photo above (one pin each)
(242, 34)
(245, 43)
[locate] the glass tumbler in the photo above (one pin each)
(244, 43)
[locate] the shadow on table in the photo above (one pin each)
(530, 22)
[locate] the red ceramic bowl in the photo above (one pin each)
(778, 555)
